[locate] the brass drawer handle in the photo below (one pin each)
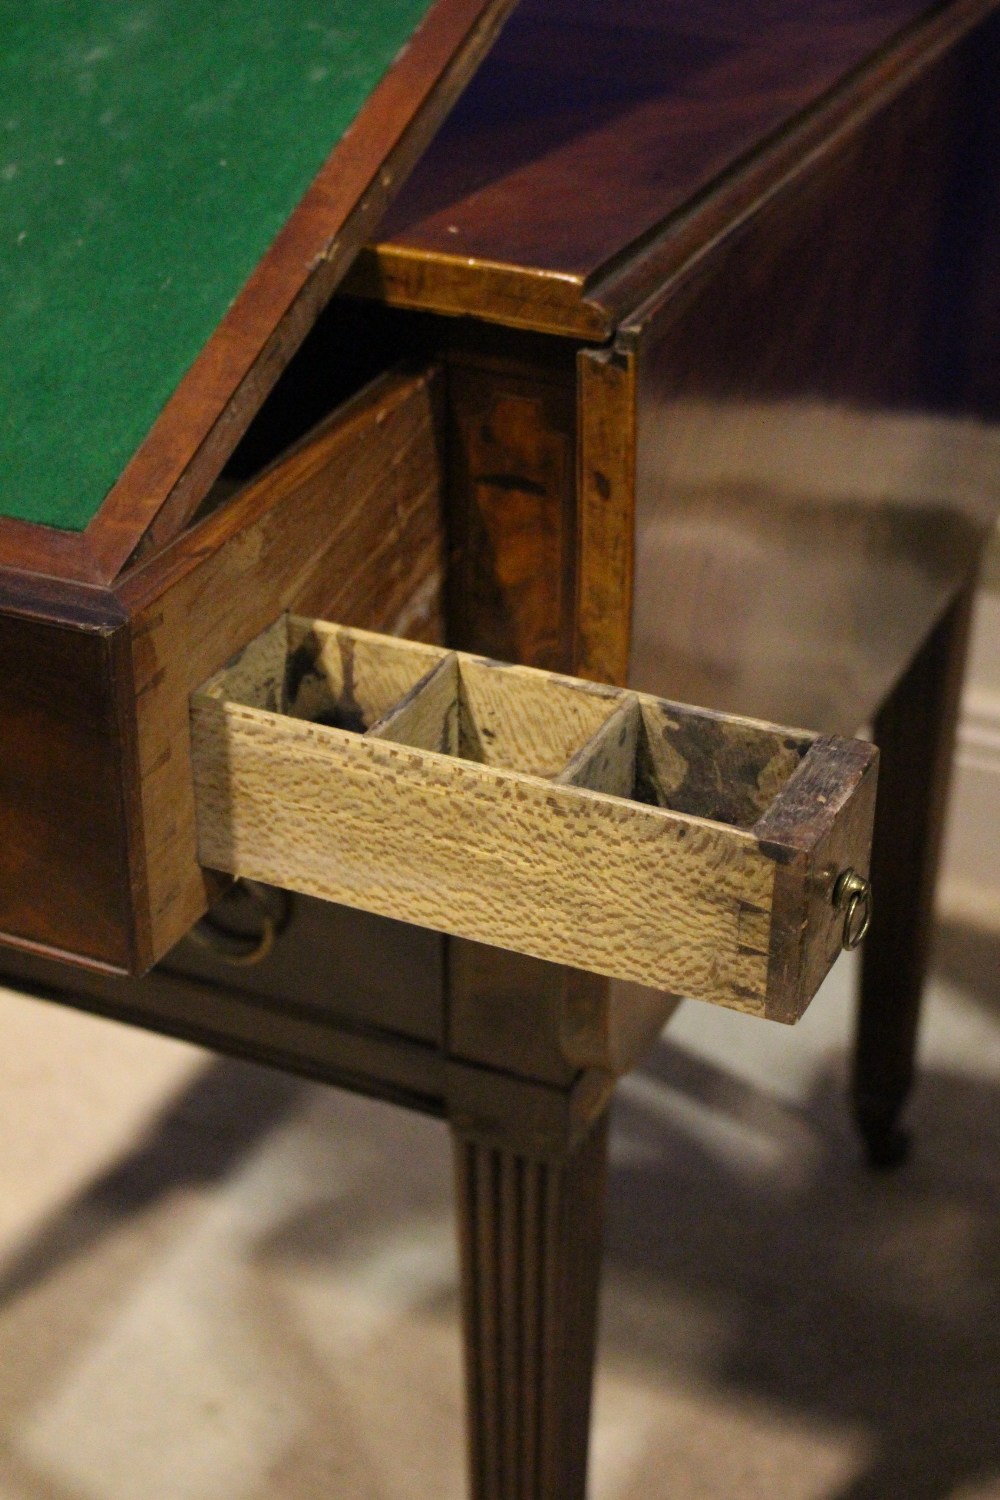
(244, 950)
(853, 896)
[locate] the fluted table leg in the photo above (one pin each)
(530, 1235)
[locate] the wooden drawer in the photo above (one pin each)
(645, 840)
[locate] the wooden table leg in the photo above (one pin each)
(915, 732)
(530, 1237)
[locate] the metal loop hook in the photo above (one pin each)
(852, 895)
(244, 949)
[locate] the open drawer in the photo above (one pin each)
(696, 852)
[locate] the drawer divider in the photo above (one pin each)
(607, 762)
(592, 826)
(427, 717)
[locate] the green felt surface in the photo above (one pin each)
(149, 153)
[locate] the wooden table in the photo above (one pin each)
(671, 366)
(778, 497)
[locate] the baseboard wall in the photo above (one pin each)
(969, 888)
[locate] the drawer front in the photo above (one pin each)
(648, 841)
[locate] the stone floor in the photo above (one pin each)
(220, 1284)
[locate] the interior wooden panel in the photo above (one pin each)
(518, 720)
(606, 457)
(607, 762)
(333, 676)
(512, 507)
(428, 716)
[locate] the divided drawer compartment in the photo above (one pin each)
(593, 826)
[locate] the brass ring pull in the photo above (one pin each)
(244, 950)
(853, 896)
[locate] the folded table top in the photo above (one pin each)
(151, 154)
(595, 133)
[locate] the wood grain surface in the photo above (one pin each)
(512, 502)
(428, 715)
(492, 843)
(456, 847)
(351, 522)
(559, 197)
(330, 676)
(820, 827)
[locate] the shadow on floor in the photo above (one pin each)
(199, 1139)
(969, 957)
(866, 1301)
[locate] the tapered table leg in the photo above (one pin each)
(530, 1237)
(915, 732)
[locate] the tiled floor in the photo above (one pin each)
(219, 1284)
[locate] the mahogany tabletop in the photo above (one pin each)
(591, 130)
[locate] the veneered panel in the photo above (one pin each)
(512, 446)
(63, 883)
